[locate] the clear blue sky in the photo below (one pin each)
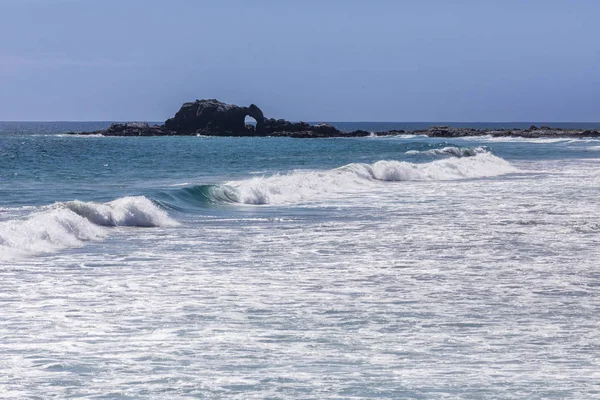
(376, 60)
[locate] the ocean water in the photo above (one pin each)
(278, 268)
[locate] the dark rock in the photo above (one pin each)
(257, 114)
(216, 117)
(303, 134)
(589, 133)
(135, 129)
(446, 131)
(358, 133)
(396, 132)
(281, 125)
(324, 133)
(440, 131)
(325, 129)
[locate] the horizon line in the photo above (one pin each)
(320, 121)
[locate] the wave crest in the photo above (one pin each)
(45, 232)
(126, 211)
(452, 151)
(307, 185)
(70, 224)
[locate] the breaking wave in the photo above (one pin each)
(71, 224)
(452, 151)
(45, 232)
(126, 211)
(39, 230)
(300, 186)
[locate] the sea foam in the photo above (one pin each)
(71, 224)
(452, 151)
(126, 211)
(45, 232)
(305, 185)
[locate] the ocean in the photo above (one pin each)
(279, 268)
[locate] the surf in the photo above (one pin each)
(306, 185)
(451, 151)
(70, 224)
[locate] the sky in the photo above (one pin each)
(312, 60)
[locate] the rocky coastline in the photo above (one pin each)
(214, 118)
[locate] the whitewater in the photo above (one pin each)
(252, 268)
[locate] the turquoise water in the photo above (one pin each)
(196, 267)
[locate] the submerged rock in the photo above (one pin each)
(135, 129)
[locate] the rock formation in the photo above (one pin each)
(214, 118)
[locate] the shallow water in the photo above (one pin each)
(401, 267)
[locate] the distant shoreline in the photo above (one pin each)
(346, 129)
(433, 132)
(212, 117)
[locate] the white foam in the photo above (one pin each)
(401, 136)
(45, 232)
(480, 166)
(306, 185)
(452, 151)
(513, 139)
(408, 136)
(126, 211)
(64, 225)
(76, 135)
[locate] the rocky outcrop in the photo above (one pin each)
(446, 131)
(215, 118)
(532, 133)
(135, 129)
(282, 127)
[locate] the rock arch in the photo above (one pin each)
(256, 113)
(217, 117)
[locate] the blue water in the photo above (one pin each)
(397, 267)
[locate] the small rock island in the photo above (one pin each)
(215, 118)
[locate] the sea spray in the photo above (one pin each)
(480, 166)
(298, 186)
(45, 232)
(70, 224)
(126, 211)
(451, 151)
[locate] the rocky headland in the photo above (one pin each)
(214, 118)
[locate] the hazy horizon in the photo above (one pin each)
(314, 121)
